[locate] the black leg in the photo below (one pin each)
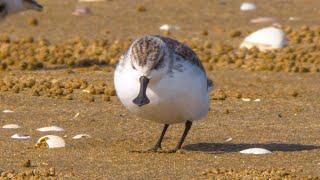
(184, 135)
(158, 145)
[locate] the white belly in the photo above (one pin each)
(176, 99)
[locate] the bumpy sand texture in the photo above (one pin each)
(51, 77)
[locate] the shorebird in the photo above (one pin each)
(163, 80)
(8, 7)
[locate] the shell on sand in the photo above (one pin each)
(265, 39)
(7, 111)
(294, 18)
(11, 126)
(50, 141)
(263, 20)
(246, 99)
(247, 6)
(20, 136)
(168, 27)
(50, 128)
(81, 11)
(79, 136)
(255, 151)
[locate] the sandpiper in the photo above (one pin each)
(163, 80)
(8, 7)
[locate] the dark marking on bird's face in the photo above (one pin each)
(147, 52)
(142, 98)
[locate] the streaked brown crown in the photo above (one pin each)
(146, 51)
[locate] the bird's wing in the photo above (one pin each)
(182, 50)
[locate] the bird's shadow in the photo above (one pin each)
(231, 147)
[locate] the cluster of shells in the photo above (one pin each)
(38, 173)
(57, 88)
(300, 55)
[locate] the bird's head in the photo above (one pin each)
(147, 56)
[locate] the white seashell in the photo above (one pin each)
(265, 39)
(79, 136)
(77, 115)
(257, 100)
(246, 99)
(263, 20)
(293, 18)
(81, 11)
(51, 141)
(50, 128)
(229, 139)
(11, 126)
(86, 91)
(168, 27)
(247, 6)
(255, 151)
(21, 137)
(7, 111)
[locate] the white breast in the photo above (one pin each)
(177, 97)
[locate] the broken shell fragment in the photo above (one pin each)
(86, 91)
(81, 11)
(255, 151)
(20, 136)
(50, 141)
(7, 111)
(50, 128)
(168, 27)
(246, 99)
(11, 126)
(293, 18)
(79, 136)
(265, 39)
(247, 6)
(77, 115)
(263, 20)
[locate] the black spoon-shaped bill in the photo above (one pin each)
(142, 98)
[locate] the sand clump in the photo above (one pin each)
(300, 56)
(222, 173)
(56, 88)
(36, 173)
